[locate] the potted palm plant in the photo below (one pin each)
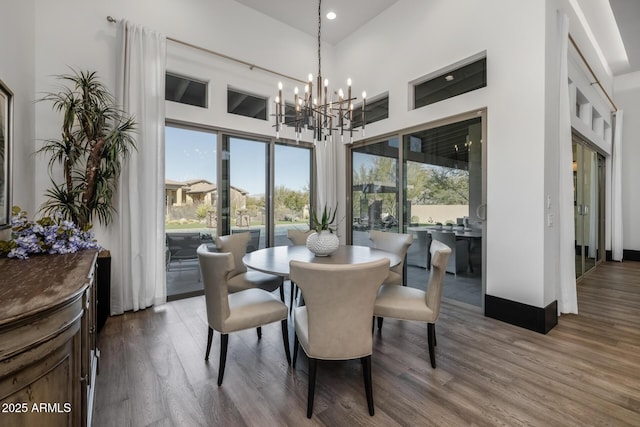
(96, 137)
(324, 241)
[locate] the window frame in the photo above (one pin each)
(250, 94)
(442, 73)
(205, 94)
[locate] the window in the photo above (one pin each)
(217, 184)
(442, 183)
(185, 90)
(289, 114)
(410, 182)
(374, 192)
(292, 190)
(377, 109)
(247, 105)
(245, 189)
(191, 198)
(451, 83)
(248, 199)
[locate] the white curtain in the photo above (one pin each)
(326, 158)
(566, 285)
(593, 212)
(616, 190)
(138, 270)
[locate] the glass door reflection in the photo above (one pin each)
(443, 190)
(244, 177)
(191, 200)
(292, 186)
(374, 193)
(588, 170)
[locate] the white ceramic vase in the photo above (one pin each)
(323, 244)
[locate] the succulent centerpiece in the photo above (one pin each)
(324, 241)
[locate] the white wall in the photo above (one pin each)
(627, 98)
(414, 38)
(17, 72)
(548, 206)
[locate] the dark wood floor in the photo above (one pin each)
(585, 372)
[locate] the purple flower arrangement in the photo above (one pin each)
(48, 235)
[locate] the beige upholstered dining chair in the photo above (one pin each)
(459, 258)
(254, 238)
(335, 323)
(245, 309)
(297, 237)
(406, 303)
(239, 277)
(396, 243)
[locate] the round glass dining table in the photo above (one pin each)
(275, 260)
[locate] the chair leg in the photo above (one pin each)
(209, 339)
(366, 372)
(312, 386)
(296, 344)
(435, 341)
(431, 334)
(380, 320)
(285, 339)
(292, 298)
(224, 342)
(282, 292)
(259, 331)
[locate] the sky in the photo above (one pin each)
(191, 154)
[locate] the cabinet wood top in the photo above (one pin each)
(42, 282)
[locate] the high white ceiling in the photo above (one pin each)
(303, 14)
(352, 14)
(627, 16)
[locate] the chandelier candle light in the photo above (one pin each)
(323, 114)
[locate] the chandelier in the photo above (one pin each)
(326, 114)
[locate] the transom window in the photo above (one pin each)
(185, 90)
(377, 109)
(451, 83)
(245, 104)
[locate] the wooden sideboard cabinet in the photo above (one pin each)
(48, 343)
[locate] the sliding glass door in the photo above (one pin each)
(218, 184)
(266, 189)
(589, 176)
(426, 181)
(245, 188)
(191, 200)
(444, 200)
(374, 189)
(292, 190)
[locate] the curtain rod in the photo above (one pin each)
(573, 42)
(222, 55)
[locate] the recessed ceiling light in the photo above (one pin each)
(331, 16)
(449, 78)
